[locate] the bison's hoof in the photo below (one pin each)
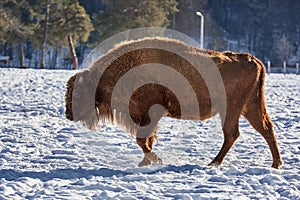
(144, 162)
(277, 164)
(159, 161)
(153, 157)
(214, 164)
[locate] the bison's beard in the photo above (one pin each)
(90, 120)
(88, 117)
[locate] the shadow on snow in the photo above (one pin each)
(12, 175)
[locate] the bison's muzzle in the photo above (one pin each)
(69, 116)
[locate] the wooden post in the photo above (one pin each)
(269, 67)
(297, 68)
(284, 67)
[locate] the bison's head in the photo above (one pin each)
(68, 97)
(80, 100)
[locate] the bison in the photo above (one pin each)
(91, 95)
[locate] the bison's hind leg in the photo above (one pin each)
(261, 121)
(147, 146)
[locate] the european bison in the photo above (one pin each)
(231, 84)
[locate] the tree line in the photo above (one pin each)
(57, 34)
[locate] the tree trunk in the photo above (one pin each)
(54, 59)
(73, 52)
(45, 36)
(21, 54)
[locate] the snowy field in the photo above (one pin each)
(45, 156)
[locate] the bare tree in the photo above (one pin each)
(73, 52)
(283, 48)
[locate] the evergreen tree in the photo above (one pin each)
(123, 15)
(186, 21)
(215, 26)
(15, 24)
(93, 6)
(68, 23)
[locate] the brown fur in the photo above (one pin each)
(242, 74)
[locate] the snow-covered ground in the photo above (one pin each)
(45, 156)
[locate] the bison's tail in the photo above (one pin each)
(261, 97)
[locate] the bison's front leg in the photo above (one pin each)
(147, 144)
